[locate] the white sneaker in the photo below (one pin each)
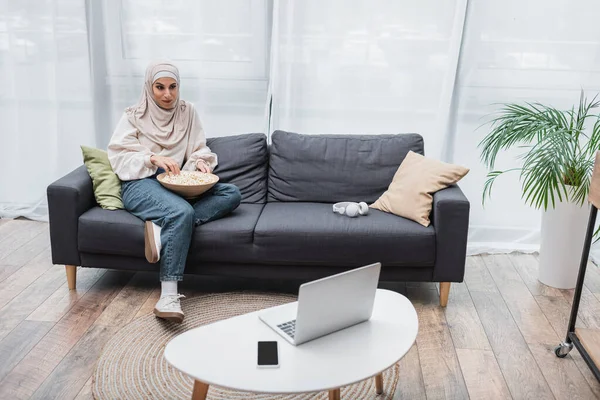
(152, 241)
(168, 307)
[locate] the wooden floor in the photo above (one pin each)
(493, 341)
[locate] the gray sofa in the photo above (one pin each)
(285, 227)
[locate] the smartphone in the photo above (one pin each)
(268, 355)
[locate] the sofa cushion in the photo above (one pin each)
(112, 232)
(228, 239)
(121, 233)
(333, 168)
(243, 161)
(310, 233)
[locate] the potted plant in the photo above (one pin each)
(556, 166)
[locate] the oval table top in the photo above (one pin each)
(224, 353)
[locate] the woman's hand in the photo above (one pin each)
(203, 166)
(166, 163)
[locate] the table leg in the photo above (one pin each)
(200, 391)
(379, 383)
(334, 394)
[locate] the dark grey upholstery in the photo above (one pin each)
(310, 233)
(249, 270)
(243, 162)
(451, 221)
(68, 198)
(121, 233)
(286, 237)
(333, 168)
(111, 231)
(232, 234)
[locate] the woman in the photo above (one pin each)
(163, 133)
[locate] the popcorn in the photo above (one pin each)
(189, 178)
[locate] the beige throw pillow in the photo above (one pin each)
(417, 178)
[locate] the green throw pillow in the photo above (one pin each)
(107, 185)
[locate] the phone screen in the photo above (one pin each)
(267, 354)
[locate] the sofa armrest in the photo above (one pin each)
(68, 198)
(450, 218)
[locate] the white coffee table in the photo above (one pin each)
(224, 353)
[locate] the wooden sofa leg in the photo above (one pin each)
(71, 276)
(444, 292)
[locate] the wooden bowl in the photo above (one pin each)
(189, 191)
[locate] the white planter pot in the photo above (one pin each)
(563, 233)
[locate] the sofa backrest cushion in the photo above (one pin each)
(334, 168)
(243, 161)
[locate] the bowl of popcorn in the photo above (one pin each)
(188, 184)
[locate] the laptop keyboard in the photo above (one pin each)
(289, 328)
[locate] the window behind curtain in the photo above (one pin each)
(220, 47)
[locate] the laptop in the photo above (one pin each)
(326, 305)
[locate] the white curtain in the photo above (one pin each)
(435, 68)
(70, 67)
(45, 100)
(513, 52)
(364, 66)
(220, 47)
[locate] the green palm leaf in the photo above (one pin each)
(558, 155)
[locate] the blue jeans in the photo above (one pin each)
(148, 200)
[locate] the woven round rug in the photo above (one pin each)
(132, 365)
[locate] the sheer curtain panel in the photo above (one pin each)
(46, 105)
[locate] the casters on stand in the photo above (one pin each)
(563, 349)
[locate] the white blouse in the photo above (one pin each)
(129, 151)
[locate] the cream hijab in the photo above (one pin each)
(162, 126)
